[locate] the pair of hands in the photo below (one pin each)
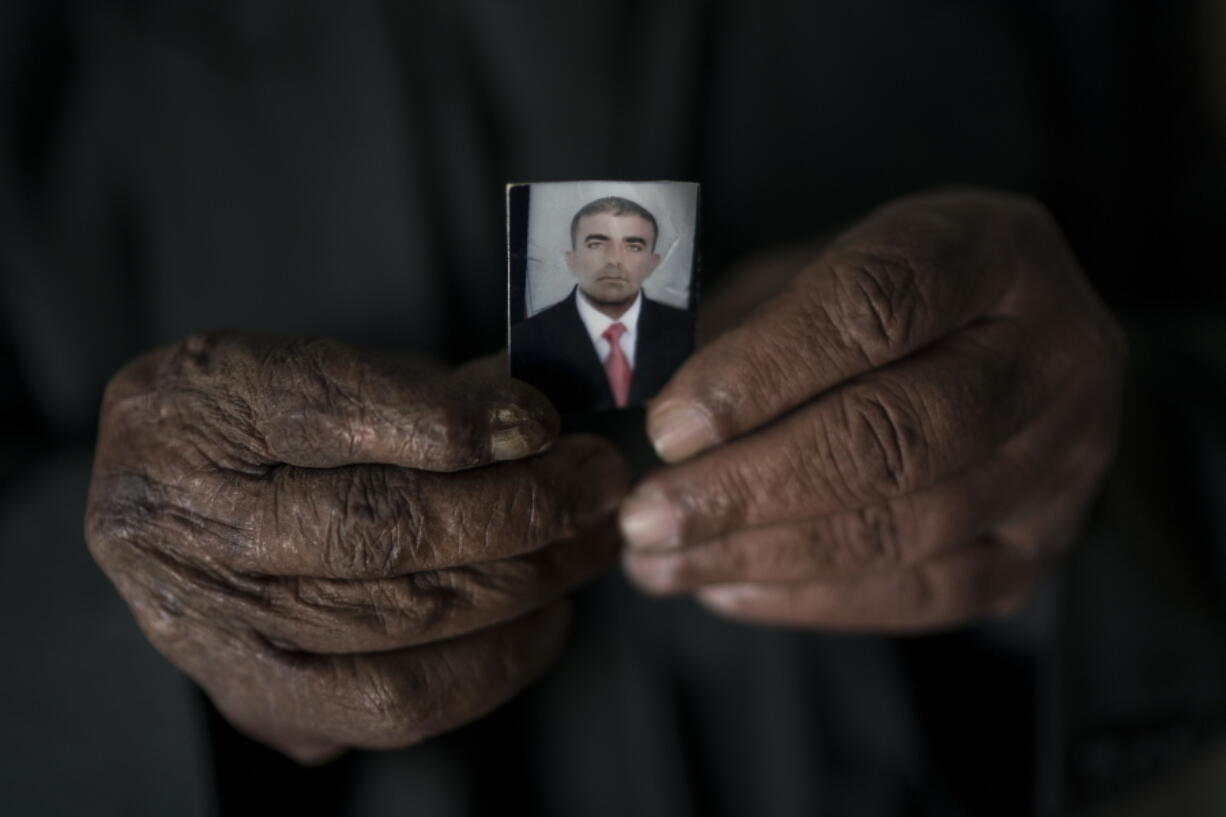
(345, 550)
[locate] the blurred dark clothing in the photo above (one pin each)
(306, 166)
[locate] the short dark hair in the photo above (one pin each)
(618, 207)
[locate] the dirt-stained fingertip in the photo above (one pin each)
(516, 433)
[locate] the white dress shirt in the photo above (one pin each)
(597, 321)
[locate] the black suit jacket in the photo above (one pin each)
(553, 351)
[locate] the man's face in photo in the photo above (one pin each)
(612, 256)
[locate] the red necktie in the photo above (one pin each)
(616, 367)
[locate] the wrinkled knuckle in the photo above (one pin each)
(375, 522)
(161, 613)
(884, 446)
(870, 539)
(503, 584)
(878, 304)
(307, 357)
(124, 418)
(427, 608)
(133, 404)
(157, 373)
(194, 356)
(416, 606)
(305, 367)
(797, 478)
(448, 439)
(122, 509)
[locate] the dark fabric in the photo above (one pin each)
(552, 351)
(1141, 653)
(313, 167)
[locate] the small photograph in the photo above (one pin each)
(602, 288)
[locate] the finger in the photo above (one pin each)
(249, 402)
(1049, 463)
(363, 522)
(374, 701)
(841, 546)
(371, 522)
(910, 273)
(887, 434)
(987, 579)
(325, 616)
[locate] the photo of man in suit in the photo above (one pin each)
(606, 345)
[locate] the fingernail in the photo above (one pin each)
(513, 444)
(649, 521)
(680, 431)
(655, 574)
(515, 434)
(505, 416)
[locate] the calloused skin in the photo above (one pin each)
(348, 551)
(906, 438)
(344, 550)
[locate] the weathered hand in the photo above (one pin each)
(904, 439)
(341, 549)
